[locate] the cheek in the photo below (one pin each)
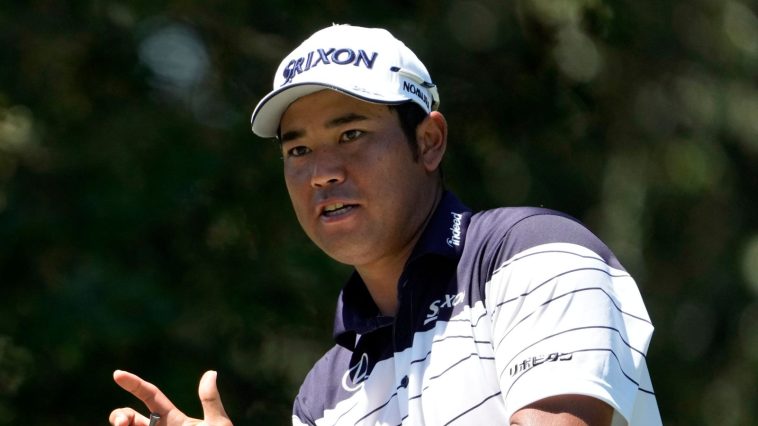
(396, 171)
(295, 188)
(294, 176)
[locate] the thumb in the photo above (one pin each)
(213, 410)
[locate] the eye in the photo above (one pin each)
(298, 151)
(351, 135)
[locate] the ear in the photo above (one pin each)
(431, 135)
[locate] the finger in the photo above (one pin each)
(213, 409)
(127, 417)
(147, 392)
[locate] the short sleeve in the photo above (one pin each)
(568, 319)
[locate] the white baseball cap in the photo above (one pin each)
(367, 63)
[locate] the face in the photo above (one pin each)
(350, 173)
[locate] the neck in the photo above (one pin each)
(381, 278)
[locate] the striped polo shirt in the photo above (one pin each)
(497, 309)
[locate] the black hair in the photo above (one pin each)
(411, 115)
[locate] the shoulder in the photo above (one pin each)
(322, 387)
(508, 231)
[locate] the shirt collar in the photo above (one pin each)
(443, 236)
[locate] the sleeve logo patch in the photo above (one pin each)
(534, 361)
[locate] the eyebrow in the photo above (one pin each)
(330, 124)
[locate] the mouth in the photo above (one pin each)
(337, 209)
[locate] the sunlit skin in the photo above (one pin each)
(341, 152)
(156, 402)
(564, 410)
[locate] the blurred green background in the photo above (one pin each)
(144, 227)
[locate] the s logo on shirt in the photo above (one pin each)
(448, 302)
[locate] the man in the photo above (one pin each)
(516, 315)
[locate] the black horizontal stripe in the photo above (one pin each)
(584, 256)
(474, 324)
(649, 392)
(457, 336)
(416, 361)
(484, 358)
(567, 294)
(478, 342)
(455, 364)
(346, 411)
(525, 294)
(468, 410)
(393, 396)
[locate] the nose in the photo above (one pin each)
(328, 169)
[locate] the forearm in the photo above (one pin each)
(564, 410)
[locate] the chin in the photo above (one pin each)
(342, 253)
(342, 257)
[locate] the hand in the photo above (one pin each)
(157, 402)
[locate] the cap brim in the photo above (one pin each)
(268, 113)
